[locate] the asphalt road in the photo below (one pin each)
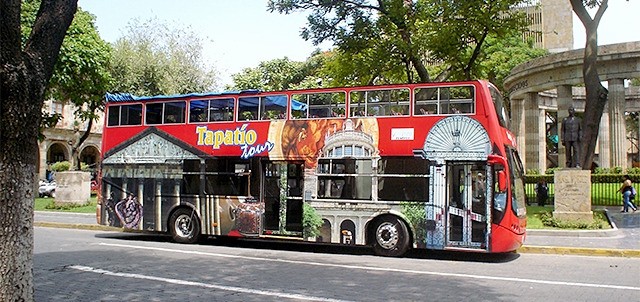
(85, 265)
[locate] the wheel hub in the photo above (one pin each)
(387, 235)
(183, 226)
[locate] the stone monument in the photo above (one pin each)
(572, 185)
(573, 195)
(73, 188)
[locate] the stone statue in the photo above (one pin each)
(571, 137)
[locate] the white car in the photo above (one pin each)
(47, 189)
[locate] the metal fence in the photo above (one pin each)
(604, 190)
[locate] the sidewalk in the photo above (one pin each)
(621, 241)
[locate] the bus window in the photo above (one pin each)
(498, 103)
(191, 177)
(211, 110)
(379, 102)
(444, 100)
(223, 178)
(318, 105)
(262, 108)
(345, 178)
(165, 113)
(198, 111)
(273, 107)
(518, 204)
(125, 115)
(174, 112)
(499, 194)
(410, 174)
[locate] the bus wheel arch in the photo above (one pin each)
(389, 235)
(184, 225)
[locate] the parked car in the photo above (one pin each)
(47, 189)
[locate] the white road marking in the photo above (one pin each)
(383, 269)
(200, 284)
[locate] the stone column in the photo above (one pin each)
(604, 152)
(518, 127)
(42, 166)
(565, 100)
(616, 123)
(535, 134)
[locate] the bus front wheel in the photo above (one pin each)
(391, 237)
(184, 226)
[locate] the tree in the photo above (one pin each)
(24, 74)
(276, 74)
(282, 74)
(501, 55)
(81, 75)
(596, 94)
(153, 58)
(411, 34)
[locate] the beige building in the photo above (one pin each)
(59, 140)
(551, 24)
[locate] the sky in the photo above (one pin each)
(238, 34)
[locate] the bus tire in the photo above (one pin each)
(390, 237)
(184, 226)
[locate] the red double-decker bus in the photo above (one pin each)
(395, 167)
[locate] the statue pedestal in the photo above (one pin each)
(573, 195)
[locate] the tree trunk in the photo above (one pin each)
(18, 159)
(24, 75)
(78, 141)
(596, 97)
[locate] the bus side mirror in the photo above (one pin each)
(502, 181)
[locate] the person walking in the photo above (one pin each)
(626, 190)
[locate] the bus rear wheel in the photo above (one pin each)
(184, 226)
(390, 237)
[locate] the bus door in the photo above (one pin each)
(467, 222)
(282, 194)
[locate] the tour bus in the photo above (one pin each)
(394, 167)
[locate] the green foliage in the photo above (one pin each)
(634, 170)
(48, 204)
(532, 172)
(60, 166)
(282, 74)
(393, 41)
(613, 170)
(416, 216)
(311, 221)
(599, 222)
(81, 75)
(156, 58)
(66, 166)
(501, 55)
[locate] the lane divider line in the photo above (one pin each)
(372, 268)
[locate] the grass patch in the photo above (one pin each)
(542, 218)
(47, 204)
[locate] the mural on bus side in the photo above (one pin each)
(128, 211)
(307, 139)
(239, 215)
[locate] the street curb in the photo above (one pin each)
(613, 232)
(558, 250)
(523, 249)
(79, 226)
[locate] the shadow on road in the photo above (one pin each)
(323, 248)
